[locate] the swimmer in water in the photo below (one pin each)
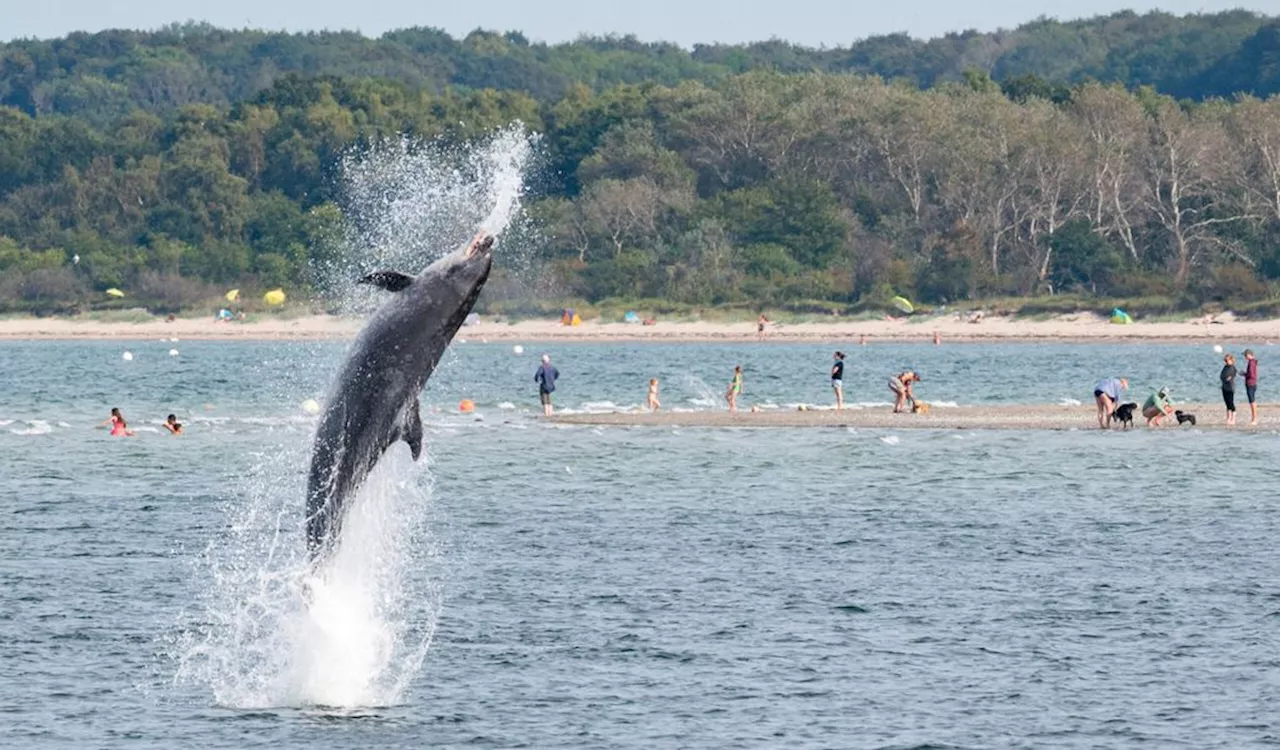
(119, 427)
(173, 425)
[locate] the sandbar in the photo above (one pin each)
(1006, 417)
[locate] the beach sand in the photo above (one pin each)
(1012, 417)
(1079, 327)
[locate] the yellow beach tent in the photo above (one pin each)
(113, 292)
(233, 295)
(274, 297)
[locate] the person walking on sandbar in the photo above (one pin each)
(546, 377)
(1251, 385)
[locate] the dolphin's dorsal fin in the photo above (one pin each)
(392, 281)
(411, 430)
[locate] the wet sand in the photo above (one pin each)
(1013, 417)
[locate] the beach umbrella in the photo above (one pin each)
(113, 292)
(274, 297)
(233, 295)
(903, 304)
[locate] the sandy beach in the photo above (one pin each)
(1011, 417)
(1077, 327)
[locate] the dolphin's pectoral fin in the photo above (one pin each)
(411, 431)
(392, 281)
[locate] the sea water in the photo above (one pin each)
(551, 586)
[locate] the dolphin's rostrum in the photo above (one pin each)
(374, 401)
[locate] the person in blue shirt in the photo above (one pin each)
(545, 377)
(1107, 394)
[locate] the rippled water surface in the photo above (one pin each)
(587, 587)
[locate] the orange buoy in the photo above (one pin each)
(467, 406)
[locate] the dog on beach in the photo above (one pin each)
(1184, 417)
(919, 407)
(1124, 414)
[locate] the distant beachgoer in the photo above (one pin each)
(1107, 394)
(735, 390)
(936, 338)
(119, 427)
(652, 402)
(1227, 379)
(760, 324)
(901, 386)
(173, 425)
(862, 340)
(1251, 385)
(546, 377)
(837, 379)
(1157, 407)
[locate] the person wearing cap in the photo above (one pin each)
(1251, 385)
(901, 386)
(1228, 381)
(1157, 407)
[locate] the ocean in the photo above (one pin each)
(536, 585)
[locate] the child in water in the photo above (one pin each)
(173, 425)
(653, 403)
(119, 427)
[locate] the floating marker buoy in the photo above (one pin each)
(518, 349)
(1217, 348)
(173, 352)
(467, 406)
(311, 406)
(127, 356)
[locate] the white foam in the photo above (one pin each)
(506, 405)
(1069, 402)
(34, 427)
(890, 439)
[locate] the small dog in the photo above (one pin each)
(919, 407)
(1124, 414)
(1184, 417)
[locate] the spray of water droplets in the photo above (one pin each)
(268, 630)
(410, 202)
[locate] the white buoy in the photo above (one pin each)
(127, 356)
(1217, 348)
(518, 349)
(311, 406)
(173, 352)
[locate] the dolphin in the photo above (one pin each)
(374, 401)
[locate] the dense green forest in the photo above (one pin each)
(1121, 156)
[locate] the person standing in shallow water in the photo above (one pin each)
(546, 377)
(119, 427)
(1227, 378)
(735, 390)
(1251, 385)
(837, 379)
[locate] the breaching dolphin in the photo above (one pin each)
(374, 401)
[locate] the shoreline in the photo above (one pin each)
(1001, 418)
(1066, 329)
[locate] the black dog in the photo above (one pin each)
(1184, 417)
(1124, 414)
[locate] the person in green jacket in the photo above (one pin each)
(1157, 407)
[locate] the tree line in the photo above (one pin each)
(760, 188)
(102, 77)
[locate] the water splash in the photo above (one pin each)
(269, 630)
(409, 202)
